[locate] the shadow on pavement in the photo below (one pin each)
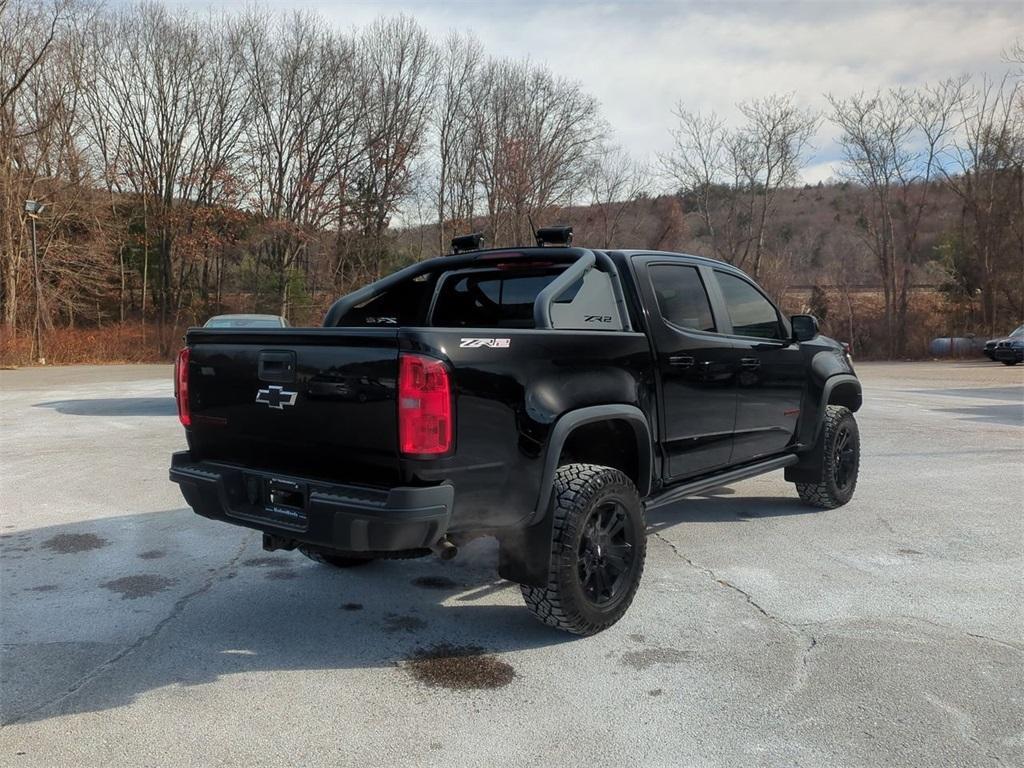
(1008, 411)
(114, 406)
(724, 508)
(199, 607)
(1008, 415)
(1011, 394)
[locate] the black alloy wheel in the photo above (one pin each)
(605, 554)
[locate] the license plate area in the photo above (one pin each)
(285, 501)
(280, 502)
(284, 494)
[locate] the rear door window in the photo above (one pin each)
(682, 300)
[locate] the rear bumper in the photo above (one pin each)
(338, 517)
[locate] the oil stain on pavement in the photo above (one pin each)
(434, 582)
(460, 667)
(266, 562)
(44, 588)
(71, 543)
(393, 623)
(139, 585)
(282, 574)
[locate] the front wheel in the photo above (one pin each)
(839, 445)
(598, 546)
(1009, 362)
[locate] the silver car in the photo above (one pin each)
(246, 321)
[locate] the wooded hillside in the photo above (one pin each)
(191, 164)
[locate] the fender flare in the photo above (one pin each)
(833, 382)
(525, 551)
(588, 415)
(841, 380)
(807, 470)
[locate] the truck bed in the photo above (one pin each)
(318, 402)
(509, 388)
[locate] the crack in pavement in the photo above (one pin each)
(957, 630)
(729, 585)
(996, 640)
(800, 627)
(176, 610)
(802, 672)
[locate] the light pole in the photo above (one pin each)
(34, 209)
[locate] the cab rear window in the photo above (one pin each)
(491, 299)
(498, 296)
(504, 298)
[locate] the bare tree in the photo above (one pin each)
(456, 136)
(398, 62)
(891, 143)
(984, 166)
(697, 165)
(538, 137)
(734, 175)
(615, 183)
(27, 35)
(771, 150)
(301, 90)
(151, 82)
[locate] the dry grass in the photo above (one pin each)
(127, 343)
(929, 316)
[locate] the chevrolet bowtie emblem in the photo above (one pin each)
(276, 397)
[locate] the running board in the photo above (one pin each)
(689, 488)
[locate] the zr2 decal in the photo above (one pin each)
(492, 343)
(598, 318)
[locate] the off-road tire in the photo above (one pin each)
(835, 487)
(1010, 362)
(583, 491)
(338, 561)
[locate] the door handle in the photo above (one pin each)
(750, 362)
(681, 361)
(276, 366)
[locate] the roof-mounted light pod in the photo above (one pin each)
(554, 236)
(471, 242)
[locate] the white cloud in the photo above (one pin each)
(640, 58)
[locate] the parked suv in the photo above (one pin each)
(546, 396)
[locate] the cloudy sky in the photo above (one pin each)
(640, 58)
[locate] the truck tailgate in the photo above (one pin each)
(319, 402)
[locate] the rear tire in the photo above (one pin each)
(1010, 362)
(839, 445)
(598, 546)
(338, 561)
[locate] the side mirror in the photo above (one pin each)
(805, 327)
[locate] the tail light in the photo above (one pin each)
(181, 387)
(424, 406)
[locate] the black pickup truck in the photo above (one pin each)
(546, 396)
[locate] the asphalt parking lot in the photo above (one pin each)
(888, 632)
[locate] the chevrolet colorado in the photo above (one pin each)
(546, 396)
